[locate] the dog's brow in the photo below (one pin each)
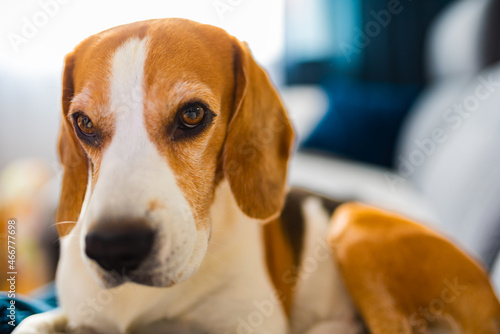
(186, 90)
(81, 99)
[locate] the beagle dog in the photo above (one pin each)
(174, 209)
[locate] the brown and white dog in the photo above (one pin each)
(175, 148)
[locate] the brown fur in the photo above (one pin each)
(206, 78)
(397, 270)
(279, 261)
(73, 159)
(259, 140)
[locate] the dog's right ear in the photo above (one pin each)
(73, 159)
(259, 140)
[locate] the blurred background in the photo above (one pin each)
(395, 103)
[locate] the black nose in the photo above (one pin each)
(119, 249)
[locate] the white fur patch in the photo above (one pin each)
(321, 296)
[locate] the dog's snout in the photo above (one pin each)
(119, 249)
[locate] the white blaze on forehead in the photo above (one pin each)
(126, 103)
(121, 167)
(126, 85)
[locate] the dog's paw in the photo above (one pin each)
(53, 322)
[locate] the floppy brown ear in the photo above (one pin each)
(258, 142)
(73, 159)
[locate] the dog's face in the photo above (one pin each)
(155, 115)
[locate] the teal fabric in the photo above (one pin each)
(12, 314)
(363, 120)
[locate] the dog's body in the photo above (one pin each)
(175, 148)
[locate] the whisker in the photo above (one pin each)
(208, 254)
(65, 222)
(218, 243)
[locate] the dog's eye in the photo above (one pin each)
(192, 115)
(85, 125)
(85, 129)
(191, 120)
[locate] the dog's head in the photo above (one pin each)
(156, 114)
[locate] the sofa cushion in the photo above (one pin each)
(459, 174)
(363, 120)
(353, 181)
(455, 43)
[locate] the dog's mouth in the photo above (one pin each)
(158, 277)
(114, 279)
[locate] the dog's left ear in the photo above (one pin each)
(258, 142)
(73, 160)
